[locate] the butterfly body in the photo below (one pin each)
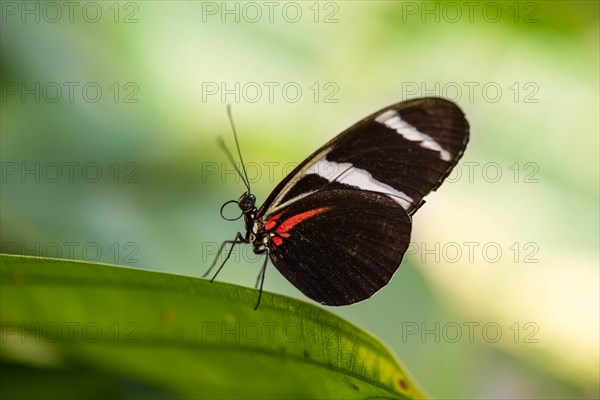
(338, 225)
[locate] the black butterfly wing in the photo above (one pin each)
(339, 246)
(339, 224)
(405, 150)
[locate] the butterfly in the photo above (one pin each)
(338, 225)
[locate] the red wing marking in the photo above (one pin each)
(272, 222)
(296, 219)
(276, 240)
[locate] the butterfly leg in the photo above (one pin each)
(238, 239)
(261, 279)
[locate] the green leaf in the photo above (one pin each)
(85, 330)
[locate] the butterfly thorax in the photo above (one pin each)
(255, 232)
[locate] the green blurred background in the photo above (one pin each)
(111, 110)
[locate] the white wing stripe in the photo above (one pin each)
(349, 175)
(392, 120)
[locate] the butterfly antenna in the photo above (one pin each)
(237, 144)
(232, 161)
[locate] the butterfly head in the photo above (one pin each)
(246, 202)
